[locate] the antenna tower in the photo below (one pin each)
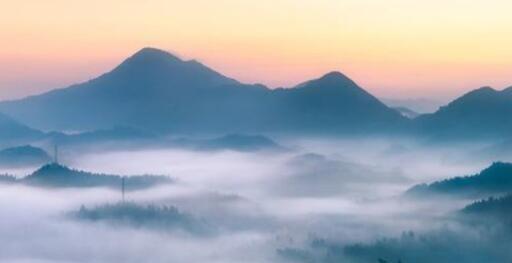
(56, 154)
(122, 187)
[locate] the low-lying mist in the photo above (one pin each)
(259, 206)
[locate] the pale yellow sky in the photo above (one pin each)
(393, 48)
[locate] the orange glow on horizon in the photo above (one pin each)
(393, 48)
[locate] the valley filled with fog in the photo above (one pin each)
(230, 131)
(311, 200)
(164, 159)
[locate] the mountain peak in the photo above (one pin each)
(334, 76)
(150, 54)
(330, 80)
(151, 51)
(152, 67)
(507, 90)
(477, 94)
(335, 79)
(485, 89)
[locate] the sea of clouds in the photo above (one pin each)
(256, 203)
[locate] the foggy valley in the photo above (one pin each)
(228, 131)
(322, 200)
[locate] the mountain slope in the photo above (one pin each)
(11, 130)
(235, 142)
(498, 208)
(494, 180)
(406, 112)
(334, 103)
(23, 156)
(484, 112)
(157, 91)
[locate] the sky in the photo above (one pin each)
(393, 49)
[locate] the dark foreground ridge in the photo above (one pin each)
(494, 180)
(498, 208)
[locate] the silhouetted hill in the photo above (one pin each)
(481, 113)
(496, 179)
(242, 143)
(406, 112)
(157, 91)
(160, 218)
(236, 142)
(56, 175)
(116, 134)
(13, 131)
(23, 156)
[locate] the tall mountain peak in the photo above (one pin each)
(151, 57)
(154, 53)
(152, 67)
(335, 77)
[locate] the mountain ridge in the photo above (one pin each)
(480, 113)
(495, 179)
(158, 91)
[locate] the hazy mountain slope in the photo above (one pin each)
(234, 142)
(334, 103)
(115, 134)
(419, 105)
(23, 156)
(498, 208)
(11, 130)
(482, 113)
(148, 83)
(157, 91)
(406, 112)
(496, 179)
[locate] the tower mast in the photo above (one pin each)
(56, 154)
(122, 187)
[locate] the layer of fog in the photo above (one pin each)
(259, 202)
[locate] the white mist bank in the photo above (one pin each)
(345, 190)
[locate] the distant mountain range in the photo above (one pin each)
(406, 112)
(160, 93)
(157, 91)
(116, 137)
(419, 105)
(235, 142)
